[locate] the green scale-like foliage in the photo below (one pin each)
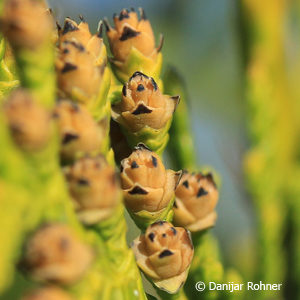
(8, 76)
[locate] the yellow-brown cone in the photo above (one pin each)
(80, 34)
(29, 122)
(143, 104)
(164, 253)
(78, 75)
(77, 32)
(94, 188)
(55, 254)
(26, 23)
(47, 293)
(131, 32)
(79, 133)
(146, 184)
(195, 203)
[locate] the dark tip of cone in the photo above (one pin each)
(138, 73)
(81, 18)
(177, 99)
(58, 26)
(201, 192)
(68, 67)
(69, 26)
(134, 165)
(174, 230)
(158, 223)
(138, 191)
(154, 84)
(151, 236)
(100, 30)
(68, 137)
(106, 24)
(142, 14)
(128, 33)
(142, 109)
(142, 146)
(78, 46)
(140, 88)
(210, 178)
(154, 161)
(178, 174)
(83, 182)
(124, 14)
(161, 43)
(186, 184)
(124, 90)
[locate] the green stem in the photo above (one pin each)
(181, 147)
(36, 72)
(206, 266)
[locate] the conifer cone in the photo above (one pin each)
(195, 203)
(94, 188)
(78, 77)
(79, 133)
(164, 253)
(28, 26)
(80, 34)
(148, 188)
(132, 44)
(55, 254)
(30, 123)
(144, 112)
(81, 65)
(26, 23)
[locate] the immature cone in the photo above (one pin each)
(26, 23)
(29, 122)
(55, 254)
(77, 75)
(94, 188)
(47, 293)
(81, 65)
(79, 133)
(196, 199)
(132, 44)
(164, 253)
(144, 112)
(148, 188)
(80, 34)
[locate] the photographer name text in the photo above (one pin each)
(231, 286)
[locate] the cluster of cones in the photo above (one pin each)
(153, 195)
